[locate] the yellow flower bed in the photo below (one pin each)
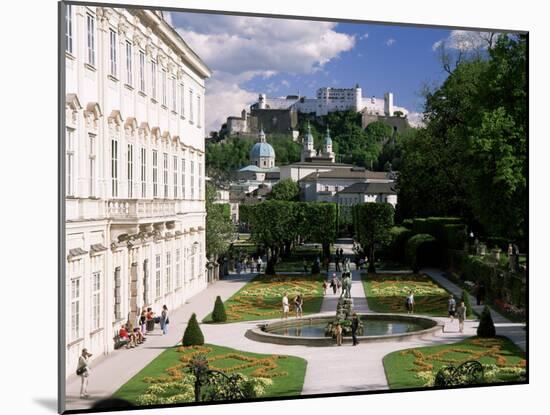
(264, 367)
(390, 291)
(262, 296)
(492, 348)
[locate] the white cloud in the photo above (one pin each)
(390, 42)
(285, 83)
(240, 48)
(416, 119)
(365, 36)
(465, 40)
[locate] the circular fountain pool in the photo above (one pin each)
(310, 331)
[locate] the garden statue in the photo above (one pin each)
(346, 285)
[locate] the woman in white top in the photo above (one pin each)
(83, 370)
(410, 303)
(285, 306)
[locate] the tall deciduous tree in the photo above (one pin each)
(286, 189)
(219, 227)
(373, 223)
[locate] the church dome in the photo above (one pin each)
(262, 149)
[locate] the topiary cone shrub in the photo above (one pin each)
(467, 304)
(193, 335)
(486, 326)
(219, 315)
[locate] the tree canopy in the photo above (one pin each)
(286, 189)
(219, 227)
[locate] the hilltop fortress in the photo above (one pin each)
(280, 115)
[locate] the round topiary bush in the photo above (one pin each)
(486, 326)
(219, 315)
(193, 335)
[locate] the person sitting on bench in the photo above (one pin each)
(129, 337)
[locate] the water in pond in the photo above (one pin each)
(370, 328)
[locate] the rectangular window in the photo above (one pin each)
(142, 71)
(164, 92)
(178, 269)
(75, 308)
(157, 276)
(192, 267)
(175, 167)
(112, 54)
(191, 105)
(165, 175)
(168, 274)
(143, 173)
(153, 79)
(128, 63)
(198, 110)
(69, 28)
(183, 178)
(91, 39)
(182, 100)
(96, 300)
(70, 161)
(192, 178)
(155, 173)
(199, 168)
(91, 160)
(114, 168)
(174, 95)
(130, 170)
(118, 294)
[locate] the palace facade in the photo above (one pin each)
(134, 172)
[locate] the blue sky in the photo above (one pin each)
(252, 55)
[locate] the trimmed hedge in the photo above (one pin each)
(219, 315)
(422, 250)
(193, 335)
(486, 326)
(399, 237)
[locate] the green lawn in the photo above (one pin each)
(286, 372)
(413, 368)
(386, 293)
(262, 297)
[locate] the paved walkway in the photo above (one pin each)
(110, 372)
(504, 327)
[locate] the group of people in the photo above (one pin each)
(248, 263)
(339, 259)
(337, 331)
(335, 283)
(133, 336)
(458, 312)
(298, 305)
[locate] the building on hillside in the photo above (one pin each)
(134, 183)
(280, 115)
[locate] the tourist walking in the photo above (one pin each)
(83, 370)
(451, 307)
(333, 284)
(338, 285)
(325, 285)
(461, 315)
(164, 320)
(337, 263)
(285, 306)
(410, 303)
(354, 328)
(338, 334)
(259, 264)
(298, 303)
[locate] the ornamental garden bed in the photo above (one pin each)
(502, 361)
(386, 293)
(163, 381)
(261, 298)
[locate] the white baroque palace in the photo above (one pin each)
(134, 172)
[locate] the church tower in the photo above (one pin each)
(327, 147)
(308, 149)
